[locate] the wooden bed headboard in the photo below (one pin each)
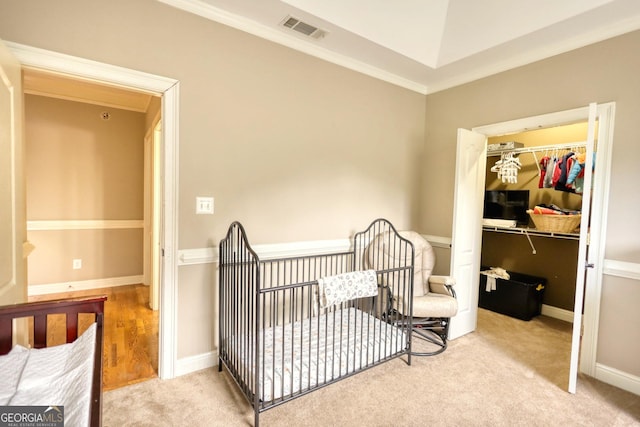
(72, 308)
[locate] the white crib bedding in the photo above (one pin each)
(311, 352)
(53, 376)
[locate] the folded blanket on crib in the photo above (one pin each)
(333, 290)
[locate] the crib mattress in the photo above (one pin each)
(300, 356)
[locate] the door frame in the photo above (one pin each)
(152, 210)
(600, 197)
(168, 89)
(13, 231)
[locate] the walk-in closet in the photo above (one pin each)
(515, 183)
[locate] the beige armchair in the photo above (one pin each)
(434, 299)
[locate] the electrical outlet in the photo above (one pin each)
(77, 264)
(204, 205)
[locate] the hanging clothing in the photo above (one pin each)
(544, 162)
(575, 179)
(548, 176)
(578, 168)
(560, 174)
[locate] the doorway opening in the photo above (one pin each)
(85, 170)
(468, 206)
(168, 88)
(539, 283)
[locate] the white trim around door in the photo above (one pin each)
(605, 116)
(168, 88)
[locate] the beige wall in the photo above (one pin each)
(81, 167)
(294, 147)
(604, 72)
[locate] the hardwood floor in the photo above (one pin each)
(130, 333)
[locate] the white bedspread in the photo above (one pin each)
(308, 353)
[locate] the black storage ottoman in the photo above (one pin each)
(519, 297)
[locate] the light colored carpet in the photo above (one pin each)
(507, 373)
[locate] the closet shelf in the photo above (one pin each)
(539, 148)
(531, 232)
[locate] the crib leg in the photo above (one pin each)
(219, 365)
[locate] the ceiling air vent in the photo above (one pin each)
(303, 28)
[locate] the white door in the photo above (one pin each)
(466, 238)
(582, 269)
(13, 223)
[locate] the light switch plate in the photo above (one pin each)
(204, 205)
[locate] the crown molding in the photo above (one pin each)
(212, 13)
(530, 56)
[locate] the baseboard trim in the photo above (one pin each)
(557, 313)
(617, 378)
(83, 285)
(190, 364)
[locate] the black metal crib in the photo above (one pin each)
(277, 342)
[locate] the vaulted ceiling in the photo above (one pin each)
(427, 45)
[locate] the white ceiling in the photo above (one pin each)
(428, 45)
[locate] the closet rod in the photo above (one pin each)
(568, 146)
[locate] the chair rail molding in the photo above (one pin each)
(628, 270)
(92, 224)
(282, 250)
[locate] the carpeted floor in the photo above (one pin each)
(507, 373)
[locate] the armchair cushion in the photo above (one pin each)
(431, 305)
(444, 280)
(438, 284)
(424, 260)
